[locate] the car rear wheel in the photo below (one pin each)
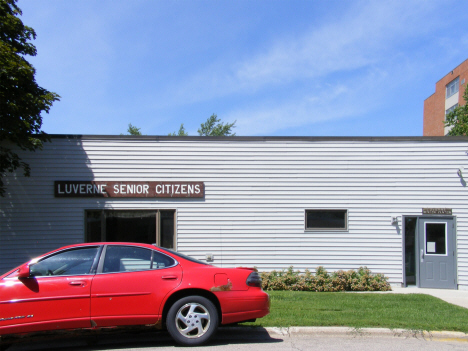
(192, 320)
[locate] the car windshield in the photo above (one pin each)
(188, 258)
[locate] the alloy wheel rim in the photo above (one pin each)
(192, 320)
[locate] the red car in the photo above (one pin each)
(99, 285)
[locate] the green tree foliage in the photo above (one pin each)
(132, 130)
(21, 100)
(181, 132)
(214, 127)
(458, 118)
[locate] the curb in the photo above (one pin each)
(348, 331)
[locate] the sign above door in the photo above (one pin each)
(439, 211)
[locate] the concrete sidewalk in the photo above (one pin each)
(455, 297)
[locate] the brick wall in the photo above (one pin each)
(434, 105)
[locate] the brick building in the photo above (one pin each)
(448, 95)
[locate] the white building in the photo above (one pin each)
(396, 205)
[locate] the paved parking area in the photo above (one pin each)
(264, 339)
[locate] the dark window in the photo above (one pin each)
(71, 262)
(149, 227)
(131, 259)
(94, 226)
(133, 226)
(436, 239)
(326, 219)
(166, 229)
(410, 250)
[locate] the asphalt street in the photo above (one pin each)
(259, 339)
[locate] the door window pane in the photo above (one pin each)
(71, 262)
(167, 229)
(410, 249)
(131, 226)
(93, 226)
(436, 239)
(126, 259)
(146, 226)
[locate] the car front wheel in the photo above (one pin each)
(192, 320)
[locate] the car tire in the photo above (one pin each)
(192, 320)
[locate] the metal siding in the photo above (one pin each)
(256, 192)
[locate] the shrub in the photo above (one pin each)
(353, 280)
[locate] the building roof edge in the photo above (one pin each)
(260, 138)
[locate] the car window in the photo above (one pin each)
(162, 261)
(131, 259)
(126, 259)
(188, 258)
(70, 262)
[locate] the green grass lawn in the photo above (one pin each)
(363, 310)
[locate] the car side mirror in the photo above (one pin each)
(24, 272)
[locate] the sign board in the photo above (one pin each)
(438, 211)
(129, 189)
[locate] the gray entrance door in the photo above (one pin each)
(436, 253)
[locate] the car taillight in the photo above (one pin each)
(254, 280)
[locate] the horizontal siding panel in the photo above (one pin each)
(256, 194)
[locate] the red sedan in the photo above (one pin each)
(99, 285)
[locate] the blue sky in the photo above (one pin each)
(280, 68)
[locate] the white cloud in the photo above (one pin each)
(361, 47)
(358, 39)
(326, 102)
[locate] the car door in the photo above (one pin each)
(56, 295)
(130, 284)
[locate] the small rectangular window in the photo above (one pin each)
(452, 88)
(435, 239)
(326, 219)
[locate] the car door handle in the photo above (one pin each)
(169, 277)
(77, 283)
(422, 255)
